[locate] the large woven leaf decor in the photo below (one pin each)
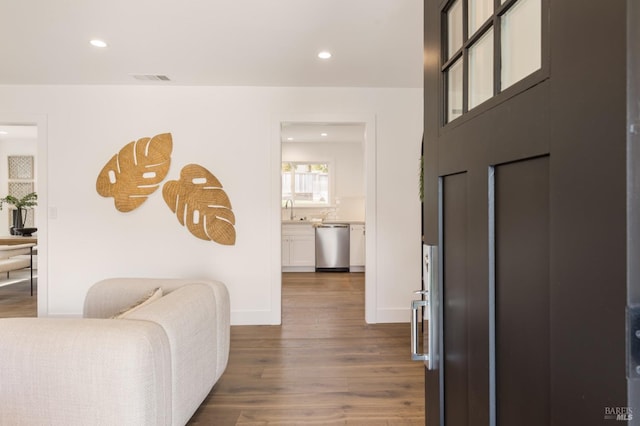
(136, 171)
(201, 205)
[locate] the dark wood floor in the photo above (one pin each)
(324, 365)
(15, 300)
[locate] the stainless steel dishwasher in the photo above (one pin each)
(332, 247)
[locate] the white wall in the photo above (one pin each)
(228, 131)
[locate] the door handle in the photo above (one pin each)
(415, 337)
(429, 301)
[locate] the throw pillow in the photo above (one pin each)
(154, 295)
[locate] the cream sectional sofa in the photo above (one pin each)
(155, 366)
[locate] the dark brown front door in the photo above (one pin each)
(525, 198)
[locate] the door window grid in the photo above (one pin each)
(521, 26)
(479, 12)
(520, 49)
(454, 82)
(481, 70)
(454, 28)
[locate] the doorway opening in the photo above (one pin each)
(326, 175)
(23, 152)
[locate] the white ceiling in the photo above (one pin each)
(13, 131)
(375, 43)
(322, 132)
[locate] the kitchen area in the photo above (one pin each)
(323, 246)
(323, 197)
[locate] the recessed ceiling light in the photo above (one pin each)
(98, 43)
(323, 134)
(324, 54)
(289, 139)
(2, 132)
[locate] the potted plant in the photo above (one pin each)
(29, 201)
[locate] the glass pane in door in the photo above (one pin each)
(454, 91)
(521, 41)
(454, 28)
(479, 12)
(481, 70)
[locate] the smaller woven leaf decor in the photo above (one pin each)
(136, 171)
(201, 205)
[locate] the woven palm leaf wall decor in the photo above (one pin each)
(201, 205)
(197, 199)
(135, 172)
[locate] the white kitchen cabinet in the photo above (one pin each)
(357, 248)
(298, 248)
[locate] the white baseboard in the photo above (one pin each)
(253, 318)
(67, 315)
(398, 315)
(298, 269)
(393, 315)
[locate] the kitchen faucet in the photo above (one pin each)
(286, 204)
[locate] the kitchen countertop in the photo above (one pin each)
(316, 222)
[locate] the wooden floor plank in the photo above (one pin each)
(16, 299)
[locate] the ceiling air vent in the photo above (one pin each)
(151, 77)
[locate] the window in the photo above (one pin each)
(454, 28)
(305, 183)
(481, 70)
(479, 12)
(488, 46)
(521, 50)
(454, 81)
